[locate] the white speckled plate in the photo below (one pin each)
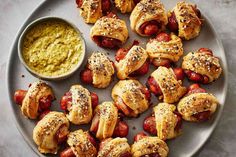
(194, 135)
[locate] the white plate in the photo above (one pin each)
(194, 135)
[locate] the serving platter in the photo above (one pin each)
(194, 134)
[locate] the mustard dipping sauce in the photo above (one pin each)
(52, 48)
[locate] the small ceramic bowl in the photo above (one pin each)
(58, 77)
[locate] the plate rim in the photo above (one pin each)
(28, 141)
(10, 57)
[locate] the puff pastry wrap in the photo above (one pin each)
(149, 145)
(111, 27)
(171, 50)
(166, 121)
(171, 88)
(102, 69)
(130, 92)
(114, 147)
(203, 64)
(188, 22)
(125, 6)
(148, 10)
(108, 115)
(36, 91)
(81, 145)
(196, 103)
(46, 129)
(133, 60)
(91, 10)
(80, 111)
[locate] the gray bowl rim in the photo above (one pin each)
(37, 21)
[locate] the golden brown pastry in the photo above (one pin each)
(78, 103)
(165, 122)
(131, 97)
(132, 62)
(36, 100)
(104, 120)
(99, 70)
(109, 31)
(197, 105)
(163, 83)
(148, 18)
(50, 132)
(91, 10)
(185, 18)
(164, 49)
(168, 122)
(81, 144)
(116, 147)
(125, 6)
(201, 66)
(149, 146)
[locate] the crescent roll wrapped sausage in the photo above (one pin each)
(131, 97)
(163, 83)
(78, 103)
(135, 58)
(165, 122)
(197, 105)
(117, 147)
(185, 18)
(104, 120)
(91, 10)
(125, 6)
(168, 122)
(36, 100)
(149, 146)
(50, 132)
(202, 66)
(148, 18)
(81, 144)
(99, 70)
(164, 49)
(109, 31)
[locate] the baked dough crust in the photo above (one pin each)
(148, 10)
(166, 121)
(149, 145)
(30, 104)
(91, 10)
(133, 60)
(108, 115)
(171, 88)
(130, 92)
(80, 144)
(81, 111)
(110, 27)
(188, 22)
(203, 64)
(171, 50)
(195, 103)
(125, 6)
(46, 129)
(102, 69)
(114, 147)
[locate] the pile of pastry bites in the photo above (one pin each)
(131, 98)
